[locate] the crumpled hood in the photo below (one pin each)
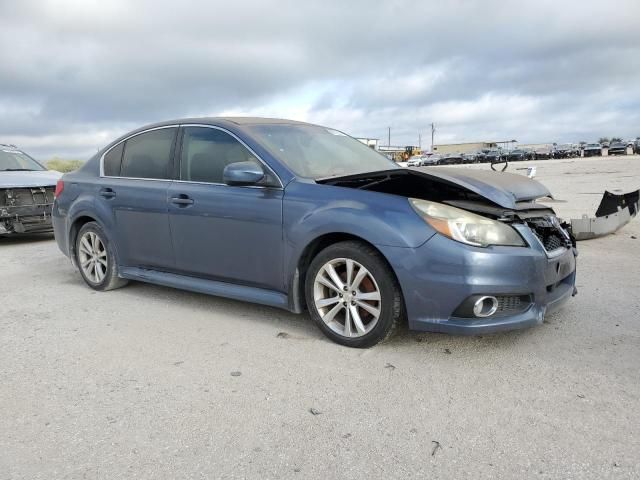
(42, 178)
(501, 188)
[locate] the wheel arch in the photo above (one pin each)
(74, 229)
(78, 222)
(315, 246)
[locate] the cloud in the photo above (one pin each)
(74, 73)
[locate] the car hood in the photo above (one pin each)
(501, 188)
(41, 178)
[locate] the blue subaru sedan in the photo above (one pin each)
(306, 218)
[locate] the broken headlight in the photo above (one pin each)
(464, 226)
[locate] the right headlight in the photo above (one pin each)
(466, 227)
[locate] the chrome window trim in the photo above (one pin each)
(215, 127)
(124, 140)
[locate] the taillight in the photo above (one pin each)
(59, 189)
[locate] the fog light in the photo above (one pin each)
(485, 306)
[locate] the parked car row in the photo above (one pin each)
(483, 156)
(497, 155)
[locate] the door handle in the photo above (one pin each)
(182, 200)
(107, 193)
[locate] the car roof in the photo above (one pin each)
(225, 122)
(241, 121)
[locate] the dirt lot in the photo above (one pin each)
(149, 382)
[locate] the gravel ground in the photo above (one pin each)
(150, 382)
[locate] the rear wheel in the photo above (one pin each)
(352, 295)
(95, 259)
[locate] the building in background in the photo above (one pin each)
(533, 146)
(370, 142)
(468, 147)
(471, 147)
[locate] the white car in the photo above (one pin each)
(26, 193)
(423, 160)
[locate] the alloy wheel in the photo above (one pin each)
(347, 297)
(92, 256)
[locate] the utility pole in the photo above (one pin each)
(419, 142)
(433, 132)
(389, 137)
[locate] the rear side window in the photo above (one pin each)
(206, 151)
(148, 155)
(112, 161)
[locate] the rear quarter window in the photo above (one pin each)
(112, 161)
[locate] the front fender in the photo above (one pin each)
(311, 210)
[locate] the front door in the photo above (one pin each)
(223, 232)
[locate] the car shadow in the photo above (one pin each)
(20, 238)
(298, 326)
(301, 327)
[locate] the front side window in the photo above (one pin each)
(148, 155)
(207, 151)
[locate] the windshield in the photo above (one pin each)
(15, 160)
(318, 152)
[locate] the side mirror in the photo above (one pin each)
(242, 173)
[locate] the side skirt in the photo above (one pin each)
(209, 287)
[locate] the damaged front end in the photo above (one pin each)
(501, 196)
(26, 210)
(488, 279)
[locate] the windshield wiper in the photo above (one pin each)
(19, 170)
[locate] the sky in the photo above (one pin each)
(75, 75)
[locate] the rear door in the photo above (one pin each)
(223, 232)
(137, 176)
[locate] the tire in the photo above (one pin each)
(376, 280)
(93, 246)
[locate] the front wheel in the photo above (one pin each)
(96, 260)
(352, 295)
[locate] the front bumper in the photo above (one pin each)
(26, 210)
(438, 276)
(26, 224)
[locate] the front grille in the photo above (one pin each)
(512, 304)
(550, 242)
(26, 197)
(508, 303)
(550, 234)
